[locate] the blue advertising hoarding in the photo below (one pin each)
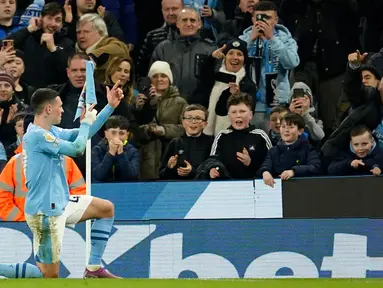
(236, 248)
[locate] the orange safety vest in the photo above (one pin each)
(13, 190)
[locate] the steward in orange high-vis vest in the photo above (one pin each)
(13, 190)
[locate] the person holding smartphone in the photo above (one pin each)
(301, 102)
(230, 78)
(272, 52)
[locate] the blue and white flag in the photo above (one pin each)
(88, 93)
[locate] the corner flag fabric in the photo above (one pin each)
(88, 93)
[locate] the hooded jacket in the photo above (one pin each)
(118, 168)
(313, 126)
(341, 166)
(300, 157)
(283, 52)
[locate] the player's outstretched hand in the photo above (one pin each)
(114, 95)
(90, 115)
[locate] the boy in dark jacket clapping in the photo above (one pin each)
(293, 156)
(114, 159)
(363, 157)
(184, 154)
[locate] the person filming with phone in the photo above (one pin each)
(301, 102)
(45, 46)
(272, 53)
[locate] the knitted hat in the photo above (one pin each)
(20, 54)
(236, 44)
(7, 78)
(161, 67)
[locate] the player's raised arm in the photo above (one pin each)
(114, 95)
(48, 111)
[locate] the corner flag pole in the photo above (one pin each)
(87, 97)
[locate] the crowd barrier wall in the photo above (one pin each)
(240, 229)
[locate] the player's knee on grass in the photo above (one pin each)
(49, 270)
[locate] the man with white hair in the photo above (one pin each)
(186, 54)
(93, 39)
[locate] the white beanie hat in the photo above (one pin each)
(161, 67)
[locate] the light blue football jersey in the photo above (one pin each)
(48, 191)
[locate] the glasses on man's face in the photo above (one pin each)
(192, 119)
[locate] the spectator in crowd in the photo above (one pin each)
(293, 156)
(70, 91)
(231, 58)
(170, 11)
(273, 52)
(241, 21)
(326, 32)
(241, 149)
(8, 23)
(184, 154)
(160, 113)
(114, 159)
(3, 157)
(93, 39)
(13, 189)
(121, 69)
(363, 157)
(19, 130)
(276, 114)
(16, 69)
(366, 103)
(301, 102)
(45, 45)
(77, 8)
(212, 15)
(185, 54)
(9, 106)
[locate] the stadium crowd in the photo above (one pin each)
(265, 89)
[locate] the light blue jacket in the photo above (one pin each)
(284, 57)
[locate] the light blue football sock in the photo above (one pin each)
(20, 270)
(99, 237)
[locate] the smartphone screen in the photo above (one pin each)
(299, 93)
(7, 44)
(225, 77)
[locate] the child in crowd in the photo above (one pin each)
(363, 157)
(302, 103)
(293, 156)
(19, 128)
(241, 148)
(184, 154)
(276, 114)
(114, 159)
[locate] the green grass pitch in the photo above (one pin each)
(150, 283)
